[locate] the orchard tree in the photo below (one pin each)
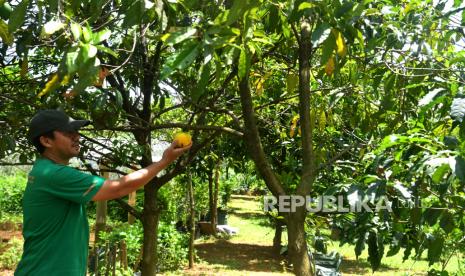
(318, 84)
(105, 61)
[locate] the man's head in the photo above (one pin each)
(55, 130)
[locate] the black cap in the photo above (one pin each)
(49, 120)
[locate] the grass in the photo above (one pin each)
(390, 265)
(247, 253)
(250, 252)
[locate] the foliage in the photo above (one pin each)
(172, 253)
(9, 257)
(173, 249)
(242, 181)
(386, 111)
(110, 241)
(11, 192)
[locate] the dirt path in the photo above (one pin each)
(248, 253)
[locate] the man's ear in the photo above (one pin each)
(45, 141)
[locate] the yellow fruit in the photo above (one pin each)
(341, 47)
(183, 139)
(329, 68)
(294, 122)
(50, 86)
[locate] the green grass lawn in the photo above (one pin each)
(250, 253)
(393, 265)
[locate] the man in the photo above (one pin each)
(55, 229)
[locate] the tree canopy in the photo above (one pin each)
(337, 97)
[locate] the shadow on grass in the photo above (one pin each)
(240, 256)
(260, 218)
(360, 267)
(245, 197)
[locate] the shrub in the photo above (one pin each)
(172, 247)
(9, 259)
(110, 243)
(11, 192)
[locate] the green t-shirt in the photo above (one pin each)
(55, 229)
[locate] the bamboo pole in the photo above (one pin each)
(132, 203)
(100, 221)
(191, 220)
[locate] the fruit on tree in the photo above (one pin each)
(182, 139)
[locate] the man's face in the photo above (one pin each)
(66, 143)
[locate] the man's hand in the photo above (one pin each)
(173, 152)
(120, 187)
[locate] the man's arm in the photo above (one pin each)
(112, 189)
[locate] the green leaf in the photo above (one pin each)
(457, 110)
(435, 246)
(235, 12)
(428, 98)
(354, 195)
(285, 26)
(306, 5)
(390, 141)
(375, 250)
(5, 11)
(292, 81)
(344, 9)
(107, 50)
(415, 216)
(52, 5)
(18, 16)
(86, 34)
(101, 36)
(459, 168)
(71, 60)
(360, 245)
(88, 51)
(134, 13)
(181, 60)
(328, 49)
(321, 33)
(88, 73)
(395, 245)
(407, 251)
(6, 36)
(439, 173)
(244, 63)
(176, 37)
(203, 82)
(457, 60)
(361, 40)
(51, 27)
(96, 9)
(463, 18)
(402, 190)
(447, 222)
(389, 82)
(432, 214)
(76, 30)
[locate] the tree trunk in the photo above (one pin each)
(150, 223)
(297, 243)
(253, 141)
(298, 251)
(211, 199)
(279, 223)
(191, 222)
(216, 181)
(296, 231)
